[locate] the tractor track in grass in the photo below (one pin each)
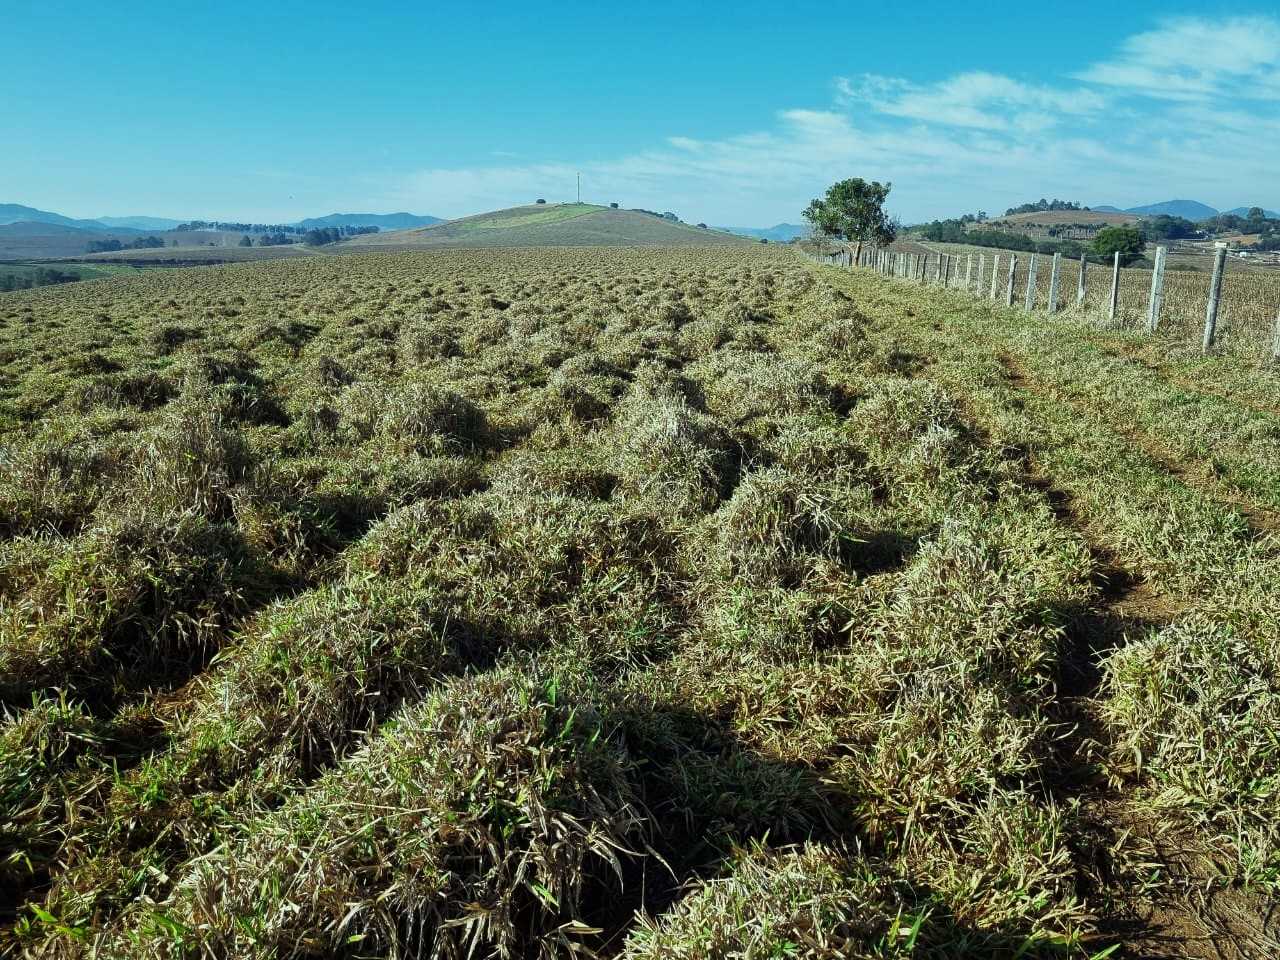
(1260, 520)
(1133, 354)
(1191, 914)
(1156, 889)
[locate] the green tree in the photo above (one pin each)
(853, 210)
(1127, 241)
(246, 241)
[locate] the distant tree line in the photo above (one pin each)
(1166, 227)
(240, 227)
(112, 244)
(1255, 221)
(664, 216)
(42, 277)
(957, 231)
(325, 235)
(1044, 206)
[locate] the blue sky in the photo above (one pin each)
(734, 114)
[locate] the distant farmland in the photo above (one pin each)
(1062, 224)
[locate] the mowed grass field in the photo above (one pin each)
(81, 270)
(696, 603)
(198, 254)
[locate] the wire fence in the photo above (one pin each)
(1244, 317)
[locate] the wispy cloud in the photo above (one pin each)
(980, 100)
(1187, 108)
(1196, 60)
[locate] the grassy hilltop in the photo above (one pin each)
(561, 224)
(697, 603)
(547, 225)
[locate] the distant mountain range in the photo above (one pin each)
(1192, 210)
(384, 221)
(19, 213)
(780, 233)
(139, 223)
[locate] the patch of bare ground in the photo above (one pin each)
(1169, 899)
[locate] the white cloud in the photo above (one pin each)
(1197, 60)
(980, 100)
(977, 139)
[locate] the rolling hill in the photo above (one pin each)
(552, 225)
(33, 240)
(1192, 210)
(140, 223)
(20, 213)
(384, 221)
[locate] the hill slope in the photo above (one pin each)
(34, 239)
(20, 213)
(552, 225)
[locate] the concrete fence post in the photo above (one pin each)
(995, 276)
(1215, 293)
(1081, 288)
(982, 273)
(1275, 341)
(1031, 283)
(1008, 290)
(1114, 304)
(1054, 277)
(1156, 301)
(946, 273)
(968, 272)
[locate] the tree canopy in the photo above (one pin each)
(853, 209)
(1044, 206)
(1127, 241)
